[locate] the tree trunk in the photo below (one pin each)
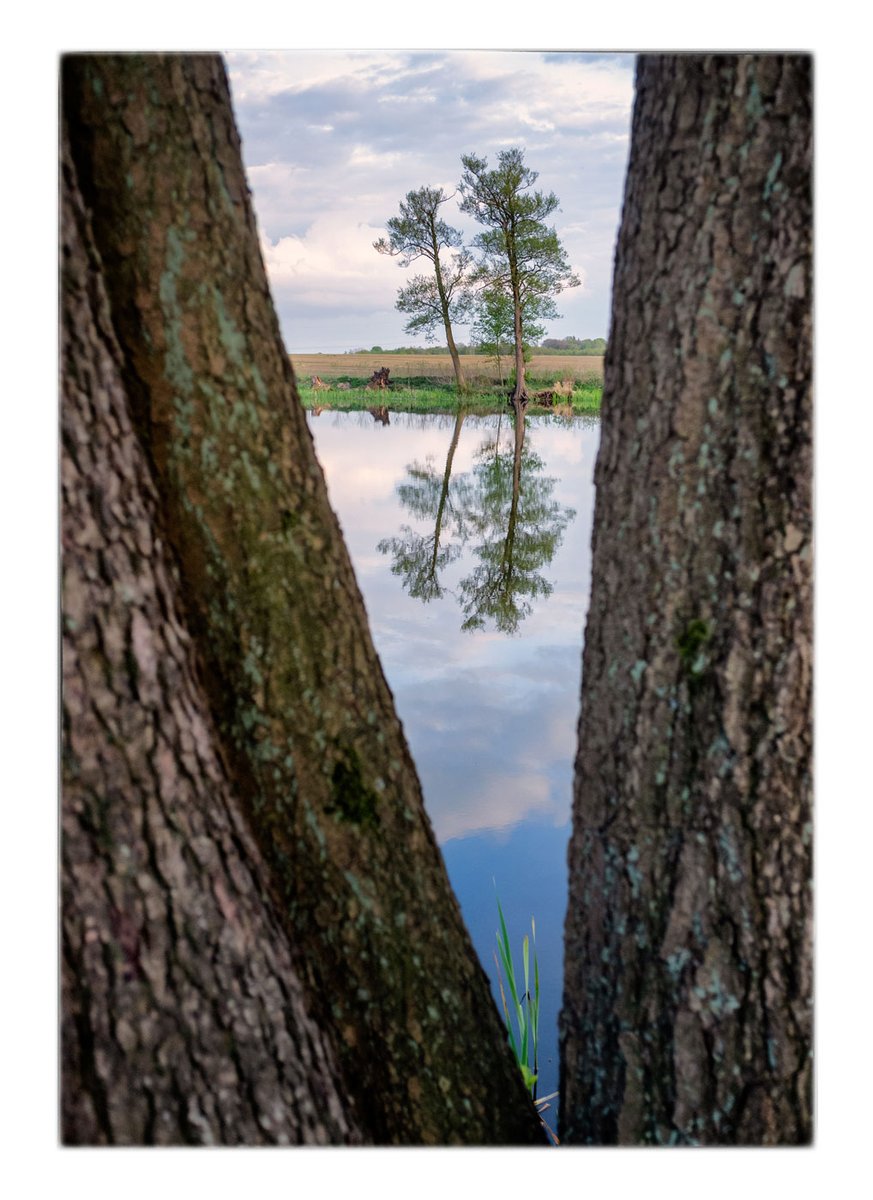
(519, 394)
(687, 1002)
(447, 323)
(314, 981)
(184, 1018)
(456, 358)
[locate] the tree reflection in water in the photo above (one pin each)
(502, 511)
(418, 558)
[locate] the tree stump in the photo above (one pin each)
(379, 380)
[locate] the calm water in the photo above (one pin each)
(473, 556)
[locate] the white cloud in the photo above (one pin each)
(502, 802)
(333, 140)
(260, 75)
(366, 156)
(333, 264)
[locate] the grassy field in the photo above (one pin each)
(438, 367)
(425, 382)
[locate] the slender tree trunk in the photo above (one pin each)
(444, 305)
(519, 395)
(687, 1002)
(456, 358)
(313, 975)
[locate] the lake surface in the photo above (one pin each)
(472, 551)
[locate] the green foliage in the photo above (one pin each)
(351, 799)
(573, 345)
(586, 396)
(522, 1022)
(493, 327)
(504, 511)
(426, 308)
(423, 394)
(519, 253)
(439, 298)
(691, 643)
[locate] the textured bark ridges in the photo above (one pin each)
(687, 1003)
(306, 720)
(184, 1019)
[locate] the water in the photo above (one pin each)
(472, 551)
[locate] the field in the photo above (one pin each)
(425, 383)
(438, 367)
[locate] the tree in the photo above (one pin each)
(184, 1015)
(494, 325)
(687, 998)
(574, 345)
(519, 252)
(416, 558)
(254, 905)
(504, 510)
(517, 527)
(434, 300)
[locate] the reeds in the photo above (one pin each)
(522, 1022)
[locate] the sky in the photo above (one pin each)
(333, 140)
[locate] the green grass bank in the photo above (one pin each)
(423, 394)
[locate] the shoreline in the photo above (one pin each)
(476, 406)
(426, 384)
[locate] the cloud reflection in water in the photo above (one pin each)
(491, 719)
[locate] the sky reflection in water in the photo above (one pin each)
(489, 709)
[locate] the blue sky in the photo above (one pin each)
(333, 140)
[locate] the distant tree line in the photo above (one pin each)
(572, 345)
(567, 345)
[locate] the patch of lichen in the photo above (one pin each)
(351, 799)
(691, 643)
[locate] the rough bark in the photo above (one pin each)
(183, 1016)
(687, 1002)
(295, 737)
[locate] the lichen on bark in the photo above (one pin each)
(687, 1003)
(184, 1019)
(308, 735)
